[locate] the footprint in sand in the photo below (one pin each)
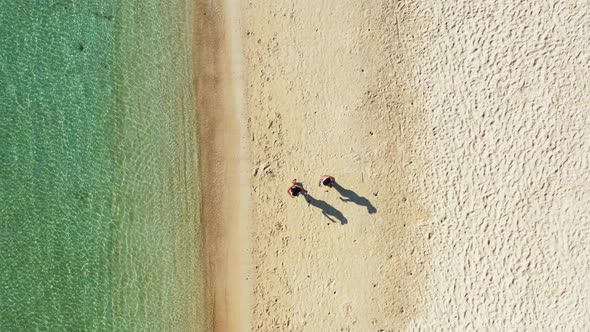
(346, 309)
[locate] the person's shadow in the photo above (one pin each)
(327, 210)
(350, 196)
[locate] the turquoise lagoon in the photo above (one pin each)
(99, 188)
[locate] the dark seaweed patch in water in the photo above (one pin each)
(83, 196)
(103, 16)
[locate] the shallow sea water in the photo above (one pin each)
(99, 195)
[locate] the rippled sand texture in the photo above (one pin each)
(465, 127)
(506, 101)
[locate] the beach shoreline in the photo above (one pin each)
(224, 162)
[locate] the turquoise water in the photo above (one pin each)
(99, 199)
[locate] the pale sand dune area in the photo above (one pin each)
(459, 134)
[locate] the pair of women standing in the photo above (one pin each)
(295, 189)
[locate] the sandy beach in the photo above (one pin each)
(458, 134)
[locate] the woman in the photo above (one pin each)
(295, 189)
(327, 180)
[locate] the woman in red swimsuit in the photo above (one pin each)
(295, 189)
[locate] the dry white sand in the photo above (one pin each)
(505, 93)
(463, 126)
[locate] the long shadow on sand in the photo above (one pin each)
(327, 210)
(350, 196)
